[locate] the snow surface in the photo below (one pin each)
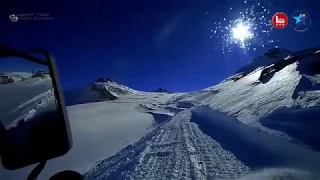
(103, 129)
(260, 123)
(96, 92)
(23, 98)
(280, 174)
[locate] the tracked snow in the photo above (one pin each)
(263, 116)
(178, 149)
(102, 129)
(194, 150)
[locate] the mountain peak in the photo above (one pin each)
(101, 79)
(162, 89)
(278, 53)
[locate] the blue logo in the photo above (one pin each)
(302, 21)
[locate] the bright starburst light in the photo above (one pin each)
(241, 33)
(247, 29)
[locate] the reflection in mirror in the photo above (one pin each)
(27, 94)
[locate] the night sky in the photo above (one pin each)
(147, 44)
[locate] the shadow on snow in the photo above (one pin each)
(235, 137)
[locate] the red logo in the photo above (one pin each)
(280, 20)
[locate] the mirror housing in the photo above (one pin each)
(49, 135)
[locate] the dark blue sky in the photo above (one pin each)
(144, 44)
(14, 64)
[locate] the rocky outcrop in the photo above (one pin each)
(278, 53)
(162, 90)
(101, 79)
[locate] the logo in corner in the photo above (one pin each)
(13, 18)
(280, 20)
(302, 21)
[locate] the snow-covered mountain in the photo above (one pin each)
(96, 92)
(17, 74)
(264, 116)
(102, 90)
(8, 77)
(162, 89)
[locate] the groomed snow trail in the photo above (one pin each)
(176, 150)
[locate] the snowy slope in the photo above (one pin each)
(23, 98)
(96, 92)
(270, 57)
(265, 116)
(253, 99)
(102, 129)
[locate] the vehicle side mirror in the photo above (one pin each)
(35, 125)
